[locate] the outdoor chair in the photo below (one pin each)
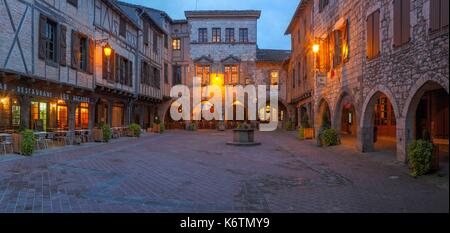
(50, 139)
(6, 142)
(40, 141)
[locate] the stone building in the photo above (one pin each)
(381, 71)
(300, 65)
(47, 64)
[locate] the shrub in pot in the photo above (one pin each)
(289, 126)
(106, 132)
(28, 142)
(301, 133)
(162, 127)
(329, 137)
(420, 154)
(135, 129)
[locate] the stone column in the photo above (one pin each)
(141, 116)
(109, 118)
(127, 113)
(91, 114)
(71, 118)
(25, 111)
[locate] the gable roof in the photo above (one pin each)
(222, 13)
(272, 55)
(300, 7)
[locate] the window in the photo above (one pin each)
(202, 35)
(145, 75)
(50, 40)
(438, 15)
(122, 27)
(73, 2)
(166, 73)
(156, 77)
(322, 4)
(176, 44)
(243, 35)
(231, 74)
(401, 22)
(202, 72)
(176, 77)
(274, 77)
(82, 116)
(337, 54)
(15, 115)
(216, 35)
(39, 115)
(83, 53)
(229, 35)
(299, 74)
(373, 35)
(62, 120)
(124, 71)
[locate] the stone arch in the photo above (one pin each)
(407, 126)
(365, 131)
(344, 97)
(322, 105)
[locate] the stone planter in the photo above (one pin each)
(156, 128)
(308, 133)
(97, 135)
(243, 137)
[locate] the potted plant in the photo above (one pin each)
(329, 137)
(308, 132)
(27, 142)
(134, 130)
(420, 156)
(156, 125)
(106, 132)
(162, 128)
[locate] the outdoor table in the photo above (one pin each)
(2, 135)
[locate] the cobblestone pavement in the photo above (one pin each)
(183, 171)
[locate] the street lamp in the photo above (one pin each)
(315, 48)
(107, 50)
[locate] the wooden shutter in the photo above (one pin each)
(376, 34)
(117, 68)
(105, 66)
(75, 50)
(397, 22)
(91, 51)
(112, 65)
(62, 45)
(331, 49)
(369, 41)
(345, 42)
(145, 32)
(130, 73)
(435, 15)
(444, 13)
(405, 21)
(42, 41)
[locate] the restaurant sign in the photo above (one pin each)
(43, 93)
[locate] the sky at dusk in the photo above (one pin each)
(275, 15)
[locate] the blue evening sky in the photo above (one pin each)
(275, 15)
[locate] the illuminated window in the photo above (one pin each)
(231, 74)
(82, 116)
(274, 77)
(62, 117)
(203, 71)
(176, 44)
(4, 112)
(39, 115)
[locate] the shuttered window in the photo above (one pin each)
(62, 33)
(83, 49)
(155, 42)
(337, 49)
(401, 22)
(176, 75)
(299, 74)
(373, 35)
(438, 15)
(293, 78)
(47, 39)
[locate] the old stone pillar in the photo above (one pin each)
(128, 110)
(92, 113)
(71, 118)
(404, 137)
(25, 111)
(109, 118)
